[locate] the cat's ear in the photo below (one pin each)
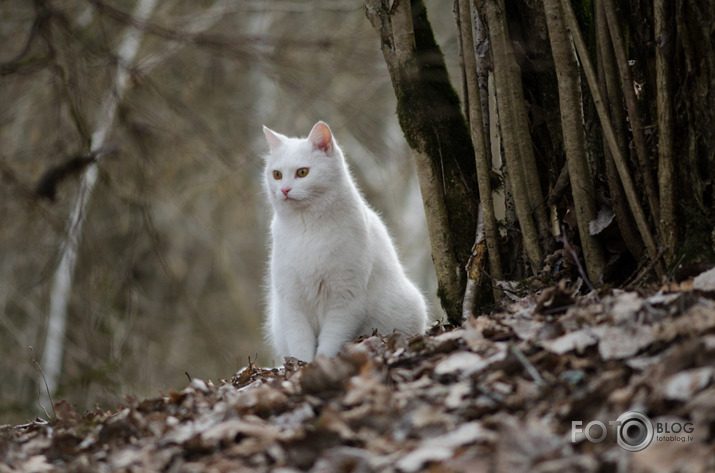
(322, 138)
(274, 139)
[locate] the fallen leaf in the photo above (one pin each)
(623, 341)
(326, 374)
(556, 299)
(443, 447)
(574, 341)
(601, 222)
(66, 414)
(623, 307)
(705, 281)
(683, 385)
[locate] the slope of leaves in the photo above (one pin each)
(498, 394)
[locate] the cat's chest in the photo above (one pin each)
(303, 257)
(317, 244)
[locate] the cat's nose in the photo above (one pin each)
(285, 190)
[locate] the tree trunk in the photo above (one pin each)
(608, 85)
(665, 44)
(634, 115)
(491, 13)
(610, 137)
(695, 103)
(62, 281)
(666, 39)
(523, 136)
(429, 113)
(571, 106)
(481, 155)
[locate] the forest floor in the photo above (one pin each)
(554, 382)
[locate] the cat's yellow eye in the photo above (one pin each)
(302, 172)
(277, 175)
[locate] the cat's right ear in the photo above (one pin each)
(322, 138)
(274, 139)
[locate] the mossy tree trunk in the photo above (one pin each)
(429, 113)
(694, 129)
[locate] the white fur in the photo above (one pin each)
(334, 273)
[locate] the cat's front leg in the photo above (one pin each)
(300, 337)
(290, 332)
(340, 327)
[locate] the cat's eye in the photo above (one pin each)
(277, 175)
(302, 172)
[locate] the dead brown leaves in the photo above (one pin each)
(496, 395)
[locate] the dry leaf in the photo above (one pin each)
(705, 281)
(682, 386)
(577, 341)
(619, 342)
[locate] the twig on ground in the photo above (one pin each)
(647, 268)
(47, 388)
(527, 365)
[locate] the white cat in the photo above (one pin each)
(334, 273)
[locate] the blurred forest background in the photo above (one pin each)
(172, 246)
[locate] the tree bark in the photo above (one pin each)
(493, 16)
(523, 137)
(570, 102)
(429, 113)
(665, 41)
(481, 44)
(608, 85)
(696, 105)
(634, 115)
(481, 153)
(607, 127)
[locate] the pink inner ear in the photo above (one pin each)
(322, 138)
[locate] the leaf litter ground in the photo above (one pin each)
(499, 394)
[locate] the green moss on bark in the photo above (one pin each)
(431, 118)
(430, 114)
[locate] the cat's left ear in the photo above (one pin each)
(322, 138)
(274, 139)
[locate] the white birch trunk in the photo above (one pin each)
(62, 279)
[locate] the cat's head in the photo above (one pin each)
(301, 171)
